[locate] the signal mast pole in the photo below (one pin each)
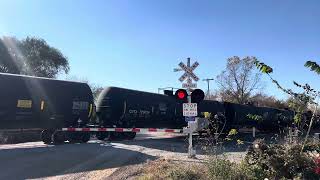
(190, 114)
(191, 152)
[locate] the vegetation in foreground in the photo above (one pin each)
(262, 161)
(168, 169)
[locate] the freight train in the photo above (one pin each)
(119, 107)
(50, 105)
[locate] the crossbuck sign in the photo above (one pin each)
(189, 75)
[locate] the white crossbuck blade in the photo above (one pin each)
(188, 71)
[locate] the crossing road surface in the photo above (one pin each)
(94, 160)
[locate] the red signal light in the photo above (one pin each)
(181, 94)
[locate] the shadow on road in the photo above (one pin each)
(174, 144)
(28, 163)
(203, 146)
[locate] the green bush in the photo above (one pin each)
(285, 161)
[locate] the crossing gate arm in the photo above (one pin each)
(137, 130)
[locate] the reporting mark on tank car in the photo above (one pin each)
(80, 105)
(24, 103)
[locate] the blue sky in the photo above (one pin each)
(136, 44)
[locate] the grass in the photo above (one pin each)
(215, 169)
(166, 169)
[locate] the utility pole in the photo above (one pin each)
(208, 82)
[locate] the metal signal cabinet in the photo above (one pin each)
(31, 102)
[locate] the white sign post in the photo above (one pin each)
(190, 110)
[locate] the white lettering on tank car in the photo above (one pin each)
(162, 107)
(80, 105)
(133, 111)
(144, 112)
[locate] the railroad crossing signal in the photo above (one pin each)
(188, 71)
(190, 109)
(188, 74)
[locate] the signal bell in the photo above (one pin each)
(181, 94)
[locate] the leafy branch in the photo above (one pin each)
(313, 66)
(263, 67)
(308, 97)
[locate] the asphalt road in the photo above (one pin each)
(94, 160)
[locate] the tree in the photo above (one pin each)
(239, 81)
(95, 88)
(31, 56)
(212, 96)
(264, 100)
(8, 62)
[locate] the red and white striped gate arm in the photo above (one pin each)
(137, 130)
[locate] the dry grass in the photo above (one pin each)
(215, 169)
(166, 169)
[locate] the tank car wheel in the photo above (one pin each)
(102, 135)
(46, 136)
(130, 135)
(116, 136)
(85, 137)
(73, 137)
(57, 137)
(126, 135)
